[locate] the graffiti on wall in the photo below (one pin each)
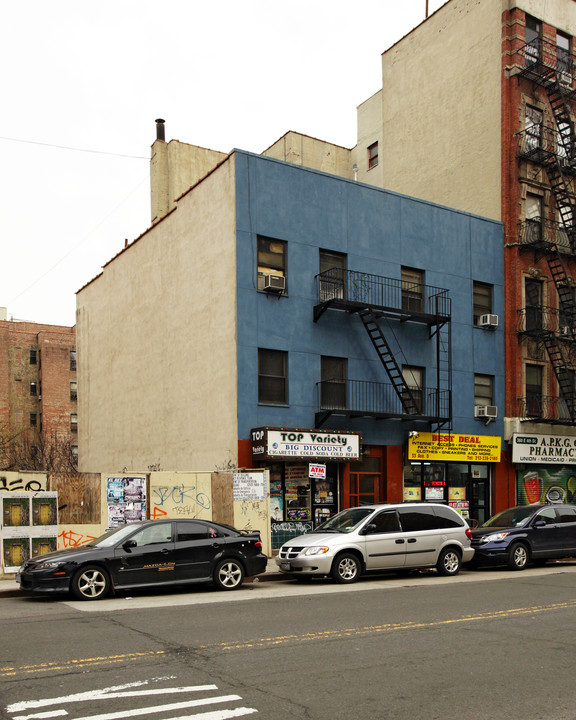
(9, 483)
(180, 498)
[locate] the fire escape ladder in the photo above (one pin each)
(565, 154)
(561, 278)
(388, 360)
(563, 374)
(443, 334)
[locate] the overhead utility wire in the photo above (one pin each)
(64, 147)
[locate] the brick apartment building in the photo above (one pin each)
(38, 396)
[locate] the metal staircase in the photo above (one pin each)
(388, 360)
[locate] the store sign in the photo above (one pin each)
(544, 449)
(454, 447)
(317, 471)
(294, 443)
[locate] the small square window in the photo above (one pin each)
(372, 155)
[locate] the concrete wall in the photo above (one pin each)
(369, 118)
(441, 109)
(312, 153)
(157, 342)
(559, 13)
(174, 167)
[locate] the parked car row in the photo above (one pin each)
(404, 536)
(428, 535)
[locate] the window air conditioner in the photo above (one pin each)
(485, 411)
(274, 283)
(487, 321)
(565, 330)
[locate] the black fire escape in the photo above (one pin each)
(553, 148)
(383, 305)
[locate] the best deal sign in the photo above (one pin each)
(294, 443)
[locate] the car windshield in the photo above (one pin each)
(111, 537)
(513, 517)
(345, 521)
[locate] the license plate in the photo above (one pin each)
(285, 566)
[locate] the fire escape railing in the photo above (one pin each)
(544, 235)
(364, 398)
(548, 409)
(372, 298)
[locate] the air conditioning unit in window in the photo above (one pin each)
(485, 411)
(565, 330)
(488, 321)
(274, 283)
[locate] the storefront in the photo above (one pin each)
(453, 469)
(545, 468)
(305, 475)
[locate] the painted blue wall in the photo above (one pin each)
(379, 231)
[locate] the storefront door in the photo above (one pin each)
(363, 484)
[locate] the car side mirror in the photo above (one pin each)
(540, 523)
(129, 544)
(370, 528)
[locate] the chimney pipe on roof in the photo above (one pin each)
(160, 129)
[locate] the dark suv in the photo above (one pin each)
(524, 534)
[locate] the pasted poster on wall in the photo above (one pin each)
(29, 526)
(126, 499)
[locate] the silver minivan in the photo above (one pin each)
(380, 537)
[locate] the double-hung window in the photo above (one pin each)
(272, 377)
(271, 263)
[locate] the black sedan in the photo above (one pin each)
(148, 553)
(524, 534)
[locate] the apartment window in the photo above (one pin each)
(33, 420)
(566, 310)
(482, 300)
(73, 422)
(333, 267)
(483, 390)
(414, 378)
(533, 118)
(533, 218)
(533, 304)
(372, 155)
(334, 371)
(563, 58)
(534, 390)
(272, 377)
(33, 388)
(72, 359)
(412, 282)
(33, 356)
(74, 451)
(532, 36)
(271, 259)
(73, 391)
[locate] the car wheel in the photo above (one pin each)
(90, 583)
(449, 562)
(346, 568)
(517, 556)
(228, 575)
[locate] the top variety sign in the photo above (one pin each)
(297, 444)
(544, 449)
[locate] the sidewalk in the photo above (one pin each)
(10, 588)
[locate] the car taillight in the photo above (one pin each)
(258, 544)
(469, 533)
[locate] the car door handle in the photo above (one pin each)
(165, 551)
(412, 540)
(400, 541)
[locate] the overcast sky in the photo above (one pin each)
(83, 83)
